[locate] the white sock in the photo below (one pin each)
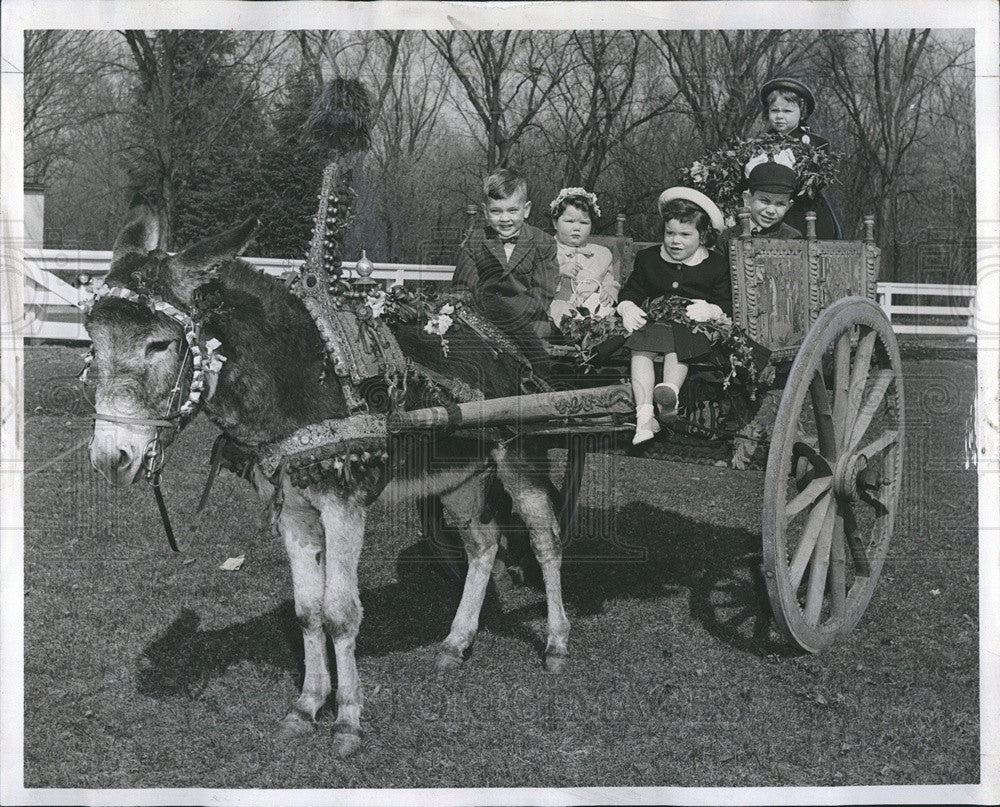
(643, 412)
(674, 387)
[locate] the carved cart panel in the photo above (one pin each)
(780, 287)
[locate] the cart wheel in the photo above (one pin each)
(834, 472)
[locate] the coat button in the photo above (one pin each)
(676, 284)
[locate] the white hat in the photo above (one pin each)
(698, 198)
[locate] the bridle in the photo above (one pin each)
(206, 363)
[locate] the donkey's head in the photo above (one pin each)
(139, 353)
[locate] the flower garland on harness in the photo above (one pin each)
(206, 364)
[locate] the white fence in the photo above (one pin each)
(955, 317)
(52, 292)
(53, 287)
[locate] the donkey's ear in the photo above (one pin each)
(198, 263)
(142, 233)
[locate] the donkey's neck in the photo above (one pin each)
(275, 379)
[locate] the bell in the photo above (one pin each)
(364, 266)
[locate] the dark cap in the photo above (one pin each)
(772, 177)
(795, 86)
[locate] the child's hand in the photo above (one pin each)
(632, 316)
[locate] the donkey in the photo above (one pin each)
(276, 380)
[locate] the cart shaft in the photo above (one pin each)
(542, 406)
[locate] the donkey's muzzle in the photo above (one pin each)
(117, 460)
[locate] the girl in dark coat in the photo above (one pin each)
(787, 104)
(682, 266)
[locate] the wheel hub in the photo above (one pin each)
(847, 475)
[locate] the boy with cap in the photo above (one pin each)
(771, 188)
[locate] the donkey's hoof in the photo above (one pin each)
(555, 662)
(293, 728)
(448, 658)
(346, 741)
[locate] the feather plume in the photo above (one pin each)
(339, 122)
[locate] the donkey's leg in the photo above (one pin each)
(344, 523)
(526, 481)
(463, 507)
(302, 532)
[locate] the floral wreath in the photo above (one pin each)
(566, 192)
(721, 174)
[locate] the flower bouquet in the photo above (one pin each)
(588, 326)
(721, 174)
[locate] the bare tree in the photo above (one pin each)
(718, 74)
(601, 102)
(506, 77)
(63, 74)
(887, 84)
(408, 118)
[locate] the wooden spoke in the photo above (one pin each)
(824, 416)
(841, 384)
(838, 570)
(818, 466)
(820, 565)
(878, 446)
(882, 381)
(859, 373)
(809, 494)
(810, 535)
(862, 568)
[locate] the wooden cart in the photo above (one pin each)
(828, 434)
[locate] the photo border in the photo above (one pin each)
(981, 15)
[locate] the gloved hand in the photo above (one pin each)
(632, 316)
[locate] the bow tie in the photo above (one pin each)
(572, 252)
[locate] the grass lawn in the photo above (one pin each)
(145, 669)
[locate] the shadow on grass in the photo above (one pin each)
(659, 554)
(185, 658)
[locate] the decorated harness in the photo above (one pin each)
(362, 351)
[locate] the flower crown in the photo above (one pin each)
(565, 192)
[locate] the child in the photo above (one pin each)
(681, 266)
(769, 197)
(787, 104)
(508, 268)
(586, 271)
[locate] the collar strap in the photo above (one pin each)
(170, 422)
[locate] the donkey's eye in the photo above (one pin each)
(158, 347)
